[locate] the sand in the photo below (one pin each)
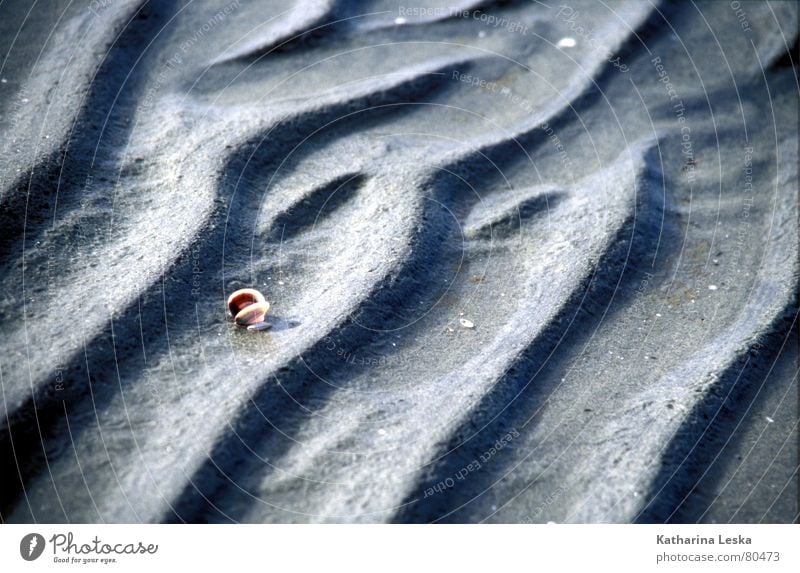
(526, 262)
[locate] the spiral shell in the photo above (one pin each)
(252, 314)
(248, 308)
(243, 298)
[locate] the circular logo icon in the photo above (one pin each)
(31, 546)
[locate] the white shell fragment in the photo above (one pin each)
(260, 326)
(466, 323)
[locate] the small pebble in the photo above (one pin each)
(466, 323)
(712, 287)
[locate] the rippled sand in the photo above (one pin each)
(607, 192)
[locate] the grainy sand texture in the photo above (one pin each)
(527, 261)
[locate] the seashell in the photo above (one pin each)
(252, 314)
(243, 298)
(466, 323)
(248, 308)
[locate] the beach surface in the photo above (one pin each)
(527, 261)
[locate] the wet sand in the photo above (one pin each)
(606, 192)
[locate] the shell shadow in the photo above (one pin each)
(282, 323)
